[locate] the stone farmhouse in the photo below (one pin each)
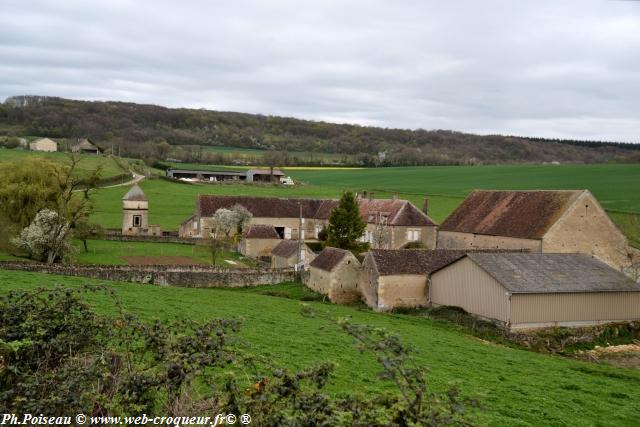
(285, 254)
(397, 221)
(335, 273)
(531, 290)
(135, 214)
(540, 221)
(399, 278)
(258, 241)
(44, 144)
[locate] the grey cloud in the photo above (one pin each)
(541, 68)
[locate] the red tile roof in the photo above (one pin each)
(329, 258)
(519, 214)
(261, 232)
(398, 212)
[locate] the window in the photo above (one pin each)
(301, 234)
(194, 225)
(383, 219)
(137, 220)
(318, 230)
(287, 233)
(413, 235)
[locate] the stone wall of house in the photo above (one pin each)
(428, 236)
(586, 228)
(182, 276)
(456, 240)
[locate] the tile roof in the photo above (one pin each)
(520, 214)
(329, 258)
(135, 194)
(390, 262)
(259, 231)
(552, 273)
(399, 212)
(286, 248)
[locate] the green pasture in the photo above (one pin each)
(516, 387)
(111, 166)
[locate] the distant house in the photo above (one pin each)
(85, 146)
(264, 175)
(399, 278)
(335, 273)
(285, 254)
(531, 290)
(258, 241)
(391, 223)
(541, 221)
(43, 144)
(135, 214)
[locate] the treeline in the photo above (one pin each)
(134, 130)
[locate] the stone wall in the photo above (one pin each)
(182, 276)
(164, 238)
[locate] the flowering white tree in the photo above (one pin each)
(242, 217)
(47, 238)
(226, 221)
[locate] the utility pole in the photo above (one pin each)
(299, 232)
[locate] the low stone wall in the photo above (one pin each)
(165, 238)
(167, 275)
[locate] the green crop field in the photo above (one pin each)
(110, 166)
(516, 387)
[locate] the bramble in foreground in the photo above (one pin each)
(59, 357)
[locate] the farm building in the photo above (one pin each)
(44, 144)
(397, 221)
(85, 146)
(207, 176)
(264, 175)
(258, 241)
(532, 290)
(285, 254)
(335, 273)
(540, 221)
(398, 278)
(135, 214)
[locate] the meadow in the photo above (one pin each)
(515, 386)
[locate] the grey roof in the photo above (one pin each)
(206, 172)
(329, 258)
(286, 248)
(552, 273)
(135, 193)
(390, 262)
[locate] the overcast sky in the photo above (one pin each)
(538, 68)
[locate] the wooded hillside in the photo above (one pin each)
(126, 125)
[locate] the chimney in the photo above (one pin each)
(364, 194)
(395, 196)
(425, 205)
(371, 194)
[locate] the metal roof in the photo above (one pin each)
(552, 273)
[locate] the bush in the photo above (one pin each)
(58, 356)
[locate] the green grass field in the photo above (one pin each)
(516, 387)
(88, 163)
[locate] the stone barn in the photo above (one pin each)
(44, 144)
(285, 254)
(135, 214)
(85, 146)
(398, 278)
(533, 290)
(335, 273)
(539, 221)
(258, 241)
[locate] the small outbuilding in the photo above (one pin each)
(285, 254)
(44, 145)
(135, 214)
(533, 290)
(85, 146)
(394, 278)
(335, 273)
(258, 241)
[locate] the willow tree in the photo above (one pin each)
(38, 184)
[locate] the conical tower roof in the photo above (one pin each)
(135, 193)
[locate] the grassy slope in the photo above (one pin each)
(517, 387)
(88, 163)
